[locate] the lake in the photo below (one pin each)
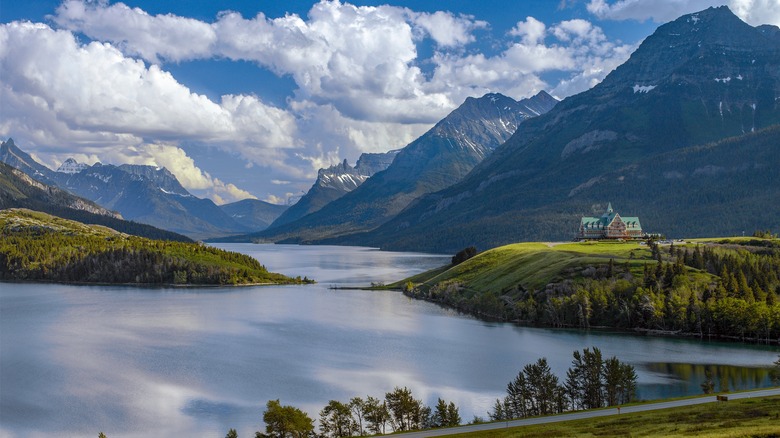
(140, 362)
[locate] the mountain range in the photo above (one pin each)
(642, 139)
(146, 194)
(685, 135)
(19, 190)
(435, 160)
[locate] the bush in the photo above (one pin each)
(463, 255)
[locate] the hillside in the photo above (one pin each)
(335, 182)
(36, 246)
(713, 287)
(437, 159)
(18, 190)
(147, 194)
(698, 80)
(253, 213)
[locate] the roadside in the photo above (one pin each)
(491, 429)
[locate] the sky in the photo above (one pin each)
(248, 99)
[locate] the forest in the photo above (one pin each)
(35, 246)
(722, 288)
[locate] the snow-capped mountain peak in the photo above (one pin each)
(72, 166)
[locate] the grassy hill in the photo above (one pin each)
(533, 265)
(39, 247)
(722, 287)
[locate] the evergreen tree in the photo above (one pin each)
(708, 386)
(376, 414)
(775, 373)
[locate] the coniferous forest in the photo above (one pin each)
(726, 288)
(39, 247)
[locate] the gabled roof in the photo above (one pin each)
(632, 222)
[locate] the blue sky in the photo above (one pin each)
(249, 98)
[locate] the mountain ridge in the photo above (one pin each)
(528, 179)
(146, 194)
(438, 158)
(334, 182)
(19, 190)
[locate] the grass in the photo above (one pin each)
(534, 265)
(759, 418)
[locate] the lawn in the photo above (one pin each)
(757, 418)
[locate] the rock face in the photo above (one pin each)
(11, 155)
(159, 176)
(699, 79)
(20, 186)
(438, 159)
(335, 182)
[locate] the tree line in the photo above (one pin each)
(728, 290)
(38, 247)
(399, 411)
(591, 382)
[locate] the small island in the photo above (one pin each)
(36, 246)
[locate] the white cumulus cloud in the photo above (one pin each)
(62, 94)
(358, 87)
(447, 29)
(753, 12)
(149, 36)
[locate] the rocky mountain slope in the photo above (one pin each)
(335, 182)
(699, 79)
(145, 194)
(19, 190)
(438, 159)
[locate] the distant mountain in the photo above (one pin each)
(438, 159)
(335, 182)
(13, 156)
(252, 213)
(19, 190)
(699, 79)
(71, 166)
(146, 194)
(159, 176)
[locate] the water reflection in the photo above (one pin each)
(171, 362)
(687, 378)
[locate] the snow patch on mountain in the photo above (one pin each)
(643, 88)
(72, 166)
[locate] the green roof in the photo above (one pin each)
(632, 222)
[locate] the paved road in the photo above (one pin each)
(588, 414)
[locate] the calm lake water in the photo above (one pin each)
(141, 362)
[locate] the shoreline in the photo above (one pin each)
(637, 331)
(150, 285)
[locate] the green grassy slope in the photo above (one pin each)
(532, 265)
(40, 247)
(722, 287)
